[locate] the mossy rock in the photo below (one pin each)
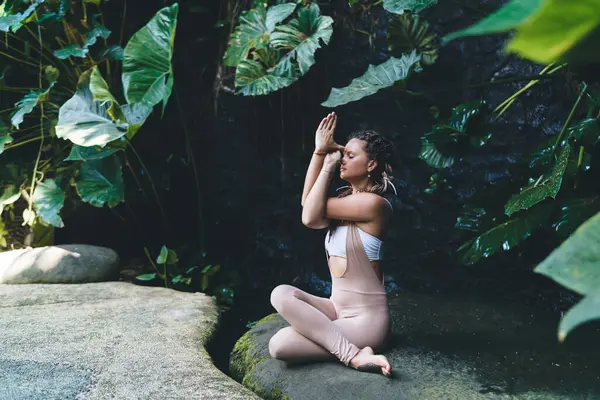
(441, 349)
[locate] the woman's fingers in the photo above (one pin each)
(331, 121)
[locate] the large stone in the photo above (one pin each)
(441, 350)
(111, 340)
(74, 263)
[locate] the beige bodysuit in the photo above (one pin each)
(355, 316)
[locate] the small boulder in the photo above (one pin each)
(74, 263)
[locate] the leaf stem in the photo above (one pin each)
(156, 196)
(35, 139)
(568, 121)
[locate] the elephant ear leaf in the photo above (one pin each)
(376, 78)
(48, 199)
(408, 32)
(302, 36)
(574, 264)
(253, 79)
(33, 98)
(100, 182)
(147, 67)
(14, 22)
(549, 186)
(502, 20)
(505, 236)
(86, 122)
(253, 31)
(399, 6)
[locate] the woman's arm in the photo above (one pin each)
(324, 144)
(314, 168)
(315, 205)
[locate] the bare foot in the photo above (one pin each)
(367, 361)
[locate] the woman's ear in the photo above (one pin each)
(372, 165)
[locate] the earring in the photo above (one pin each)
(369, 175)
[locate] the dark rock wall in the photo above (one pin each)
(252, 153)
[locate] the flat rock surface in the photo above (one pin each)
(111, 340)
(441, 349)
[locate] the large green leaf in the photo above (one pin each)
(472, 219)
(63, 7)
(101, 92)
(549, 186)
(586, 310)
(450, 141)
(376, 78)
(86, 122)
(136, 114)
(15, 22)
(574, 213)
(399, 6)
(80, 153)
(100, 182)
(506, 235)
(48, 199)
(10, 194)
(147, 68)
(575, 264)
(28, 103)
(76, 50)
(253, 79)
(253, 31)
(586, 132)
(504, 19)
(5, 137)
(408, 32)
(302, 36)
(557, 30)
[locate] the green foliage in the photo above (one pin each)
(505, 236)
(12, 22)
(502, 20)
(147, 68)
(376, 78)
(48, 199)
(100, 182)
(169, 269)
(450, 141)
(399, 6)
(75, 50)
(409, 32)
(547, 31)
(575, 265)
(33, 98)
(561, 30)
(268, 55)
(5, 137)
(544, 187)
(573, 213)
(86, 122)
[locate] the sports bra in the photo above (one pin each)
(337, 245)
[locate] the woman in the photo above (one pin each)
(355, 319)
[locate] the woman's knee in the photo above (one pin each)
(277, 344)
(280, 295)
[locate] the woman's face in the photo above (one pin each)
(355, 161)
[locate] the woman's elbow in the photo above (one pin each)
(314, 223)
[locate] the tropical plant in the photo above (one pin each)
(169, 270)
(561, 193)
(268, 55)
(75, 104)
